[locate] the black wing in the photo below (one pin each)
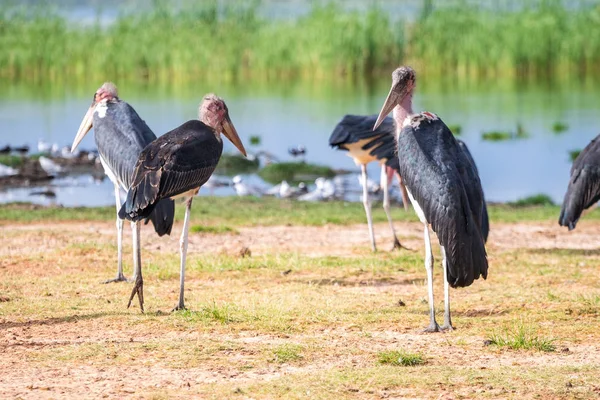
(584, 185)
(446, 186)
(177, 162)
(354, 128)
(485, 222)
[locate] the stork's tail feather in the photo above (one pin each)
(467, 261)
(485, 222)
(571, 210)
(162, 217)
(141, 199)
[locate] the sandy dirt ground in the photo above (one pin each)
(22, 337)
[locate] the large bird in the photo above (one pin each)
(584, 185)
(355, 134)
(444, 188)
(120, 136)
(177, 164)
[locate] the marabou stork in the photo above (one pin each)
(444, 188)
(177, 164)
(355, 134)
(120, 136)
(584, 185)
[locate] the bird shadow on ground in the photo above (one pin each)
(361, 282)
(565, 251)
(64, 320)
(486, 312)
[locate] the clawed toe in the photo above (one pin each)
(138, 289)
(447, 328)
(432, 328)
(119, 278)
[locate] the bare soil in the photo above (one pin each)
(43, 355)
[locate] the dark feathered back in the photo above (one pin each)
(120, 136)
(485, 222)
(177, 162)
(354, 128)
(584, 185)
(446, 185)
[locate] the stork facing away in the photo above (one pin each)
(444, 188)
(355, 134)
(120, 136)
(584, 185)
(177, 164)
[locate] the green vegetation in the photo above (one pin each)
(573, 154)
(496, 136)
(11, 160)
(400, 358)
(521, 337)
(234, 164)
(218, 214)
(294, 172)
(255, 140)
(218, 229)
(559, 127)
(500, 136)
(231, 41)
(287, 353)
(455, 129)
(535, 200)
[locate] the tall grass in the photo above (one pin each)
(231, 41)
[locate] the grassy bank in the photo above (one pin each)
(232, 41)
(312, 313)
(249, 211)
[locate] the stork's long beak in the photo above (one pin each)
(85, 126)
(390, 102)
(231, 134)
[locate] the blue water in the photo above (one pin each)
(290, 116)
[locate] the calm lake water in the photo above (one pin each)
(305, 114)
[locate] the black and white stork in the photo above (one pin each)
(584, 185)
(355, 134)
(177, 164)
(444, 188)
(120, 136)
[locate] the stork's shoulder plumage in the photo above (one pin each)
(584, 185)
(446, 186)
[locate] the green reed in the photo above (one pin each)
(231, 41)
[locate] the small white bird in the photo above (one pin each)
(5, 170)
(43, 147)
(242, 189)
(50, 166)
(325, 190)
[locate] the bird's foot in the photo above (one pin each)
(399, 246)
(447, 327)
(138, 289)
(433, 327)
(179, 307)
(119, 278)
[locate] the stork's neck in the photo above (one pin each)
(403, 110)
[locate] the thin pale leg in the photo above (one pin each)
(433, 326)
(138, 287)
(447, 320)
(386, 203)
(367, 205)
(183, 244)
(120, 277)
(136, 255)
